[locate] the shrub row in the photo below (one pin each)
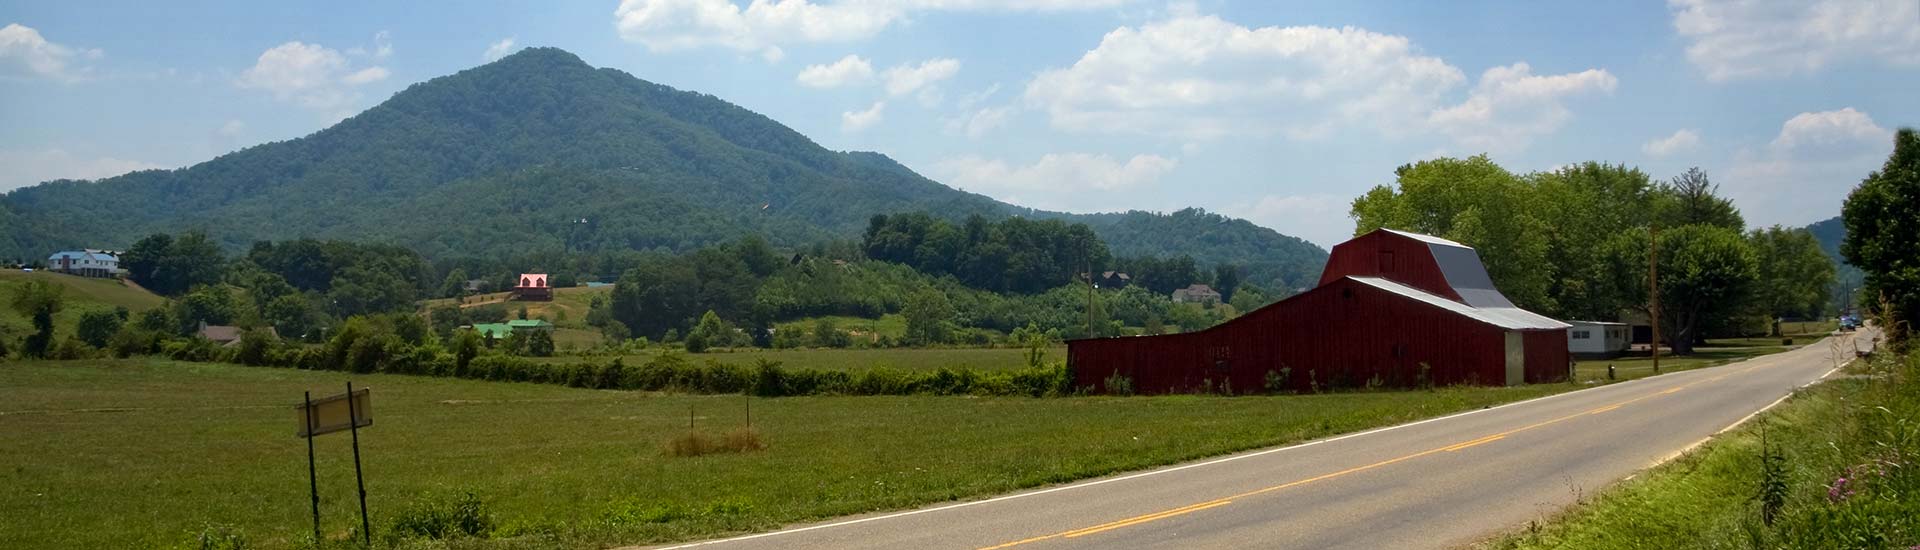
(673, 372)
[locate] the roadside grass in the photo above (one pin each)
(82, 294)
(1848, 477)
(854, 360)
(150, 453)
(1631, 367)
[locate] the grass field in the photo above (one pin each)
(568, 309)
(81, 293)
(140, 453)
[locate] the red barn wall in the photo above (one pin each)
(1412, 263)
(1547, 355)
(1341, 334)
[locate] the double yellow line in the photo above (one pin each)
(1164, 514)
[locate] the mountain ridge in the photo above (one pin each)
(541, 150)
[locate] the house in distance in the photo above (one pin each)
(1392, 309)
(532, 287)
(85, 262)
(1196, 294)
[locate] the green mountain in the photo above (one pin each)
(540, 151)
(1847, 278)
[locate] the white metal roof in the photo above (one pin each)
(1429, 239)
(1511, 318)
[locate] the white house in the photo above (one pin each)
(85, 263)
(1598, 339)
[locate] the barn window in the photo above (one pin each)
(1386, 261)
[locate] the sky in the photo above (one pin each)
(1277, 112)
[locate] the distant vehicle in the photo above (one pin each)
(1848, 323)
(27, 269)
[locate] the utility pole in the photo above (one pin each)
(1653, 292)
(1087, 262)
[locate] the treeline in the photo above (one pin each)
(1574, 243)
(1010, 255)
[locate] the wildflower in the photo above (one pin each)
(1839, 491)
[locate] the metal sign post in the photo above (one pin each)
(349, 412)
(313, 477)
(358, 478)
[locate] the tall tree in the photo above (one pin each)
(1795, 275)
(1586, 204)
(1706, 275)
(1882, 234)
(1479, 204)
(1226, 280)
(1692, 199)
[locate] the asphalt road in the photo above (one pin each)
(1430, 484)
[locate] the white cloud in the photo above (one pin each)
(232, 128)
(1806, 171)
(1682, 140)
(1844, 129)
(1057, 181)
(363, 76)
(1731, 39)
(979, 122)
(855, 121)
(497, 50)
(1510, 106)
(906, 79)
(763, 25)
(1201, 77)
(26, 168)
(1320, 218)
(312, 75)
(23, 52)
(847, 71)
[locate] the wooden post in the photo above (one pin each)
(1653, 286)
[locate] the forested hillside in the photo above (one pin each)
(540, 151)
(1848, 279)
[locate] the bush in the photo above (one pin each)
(256, 346)
(69, 349)
(740, 440)
(98, 326)
(440, 518)
(1117, 384)
(132, 340)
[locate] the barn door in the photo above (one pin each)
(1516, 359)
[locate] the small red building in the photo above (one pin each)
(533, 287)
(1392, 308)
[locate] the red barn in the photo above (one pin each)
(1392, 308)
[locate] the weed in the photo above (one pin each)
(440, 517)
(1118, 384)
(740, 440)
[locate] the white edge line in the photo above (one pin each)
(1147, 473)
(1138, 475)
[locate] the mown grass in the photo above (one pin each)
(859, 329)
(1849, 475)
(1629, 368)
(142, 453)
(82, 294)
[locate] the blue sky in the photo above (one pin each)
(1279, 112)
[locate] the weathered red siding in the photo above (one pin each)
(1341, 334)
(1411, 263)
(1547, 355)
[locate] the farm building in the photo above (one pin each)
(1597, 339)
(533, 286)
(1392, 308)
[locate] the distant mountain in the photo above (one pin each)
(1830, 232)
(540, 151)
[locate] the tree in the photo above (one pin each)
(212, 305)
(827, 335)
(1882, 236)
(1795, 275)
(540, 343)
(1691, 199)
(98, 326)
(1479, 204)
(38, 300)
(1584, 205)
(455, 284)
(1706, 276)
(1226, 280)
(929, 317)
(292, 315)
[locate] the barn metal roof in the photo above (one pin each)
(1511, 318)
(1425, 238)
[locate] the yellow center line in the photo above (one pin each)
(1136, 520)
